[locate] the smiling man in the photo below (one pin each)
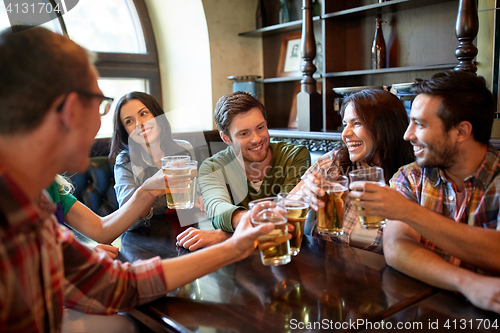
(251, 168)
(444, 227)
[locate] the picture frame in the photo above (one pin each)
(290, 58)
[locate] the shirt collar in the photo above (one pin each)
(484, 172)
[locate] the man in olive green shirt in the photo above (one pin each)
(251, 168)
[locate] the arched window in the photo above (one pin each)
(120, 33)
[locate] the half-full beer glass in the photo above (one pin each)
(331, 216)
(297, 207)
(371, 175)
(180, 180)
(274, 247)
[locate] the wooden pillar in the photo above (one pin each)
(309, 110)
(466, 29)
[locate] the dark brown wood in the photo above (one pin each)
(325, 281)
(466, 29)
(346, 31)
(442, 312)
(309, 109)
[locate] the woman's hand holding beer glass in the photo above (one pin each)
(180, 181)
(327, 193)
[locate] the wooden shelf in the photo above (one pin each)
(277, 28)
(294, 133)
(384, 7)
(287, 79)
(390, 70)
(418, 32)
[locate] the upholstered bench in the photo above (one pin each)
(95, 187)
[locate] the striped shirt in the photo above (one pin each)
(430, 188)
(350, 215)
(43, 267)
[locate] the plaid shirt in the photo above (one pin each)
(430, 188)
(43, 267)
(350, 214)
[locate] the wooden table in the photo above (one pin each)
(327, 283)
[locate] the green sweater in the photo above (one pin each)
(225, 188)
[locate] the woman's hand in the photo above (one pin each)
(312, 190)
(156, 184)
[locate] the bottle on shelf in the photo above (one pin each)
(284, 16)
(316, 8)
(260, 15)
(379, 50)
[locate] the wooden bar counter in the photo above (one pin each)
(326, 283)
(327, 287)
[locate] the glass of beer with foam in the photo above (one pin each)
(331, 216)
(371, 175)
(180, 180)
(274, 247)
(296, 206)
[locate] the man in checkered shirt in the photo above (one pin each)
(443, 210)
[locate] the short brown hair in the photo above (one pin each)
(36, 67)
(233, 104)
(464, 97)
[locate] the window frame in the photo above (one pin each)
(131, 65)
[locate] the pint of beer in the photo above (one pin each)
(370, 175)
(331, 216)
(180, 180)
(274, 247)
(297, 207)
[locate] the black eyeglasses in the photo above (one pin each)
(105, 104)
(103, 107)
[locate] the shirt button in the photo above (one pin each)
(451, 198)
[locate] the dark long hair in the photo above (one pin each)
(119, 141)
(384, 116)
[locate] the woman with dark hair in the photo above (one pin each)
(142, 136)
(374, 124)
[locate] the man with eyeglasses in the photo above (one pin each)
(49, 101)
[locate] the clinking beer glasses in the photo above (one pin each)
(372, 175)
(180, 180)
(274, 247)
(331, 216)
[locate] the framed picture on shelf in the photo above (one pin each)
(290, 58)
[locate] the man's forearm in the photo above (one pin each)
(181, 270)
(413, 259)
(235, 219)
(474, 245)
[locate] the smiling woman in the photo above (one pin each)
(142, 136)
(367, 116)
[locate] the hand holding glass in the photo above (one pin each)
(180, 180)
(371, 175)
(331, 216)
(274, 247)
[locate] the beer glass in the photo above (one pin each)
(180, 180)
(296, 206)
(371, 175)
(274, 247)
(331, 216)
